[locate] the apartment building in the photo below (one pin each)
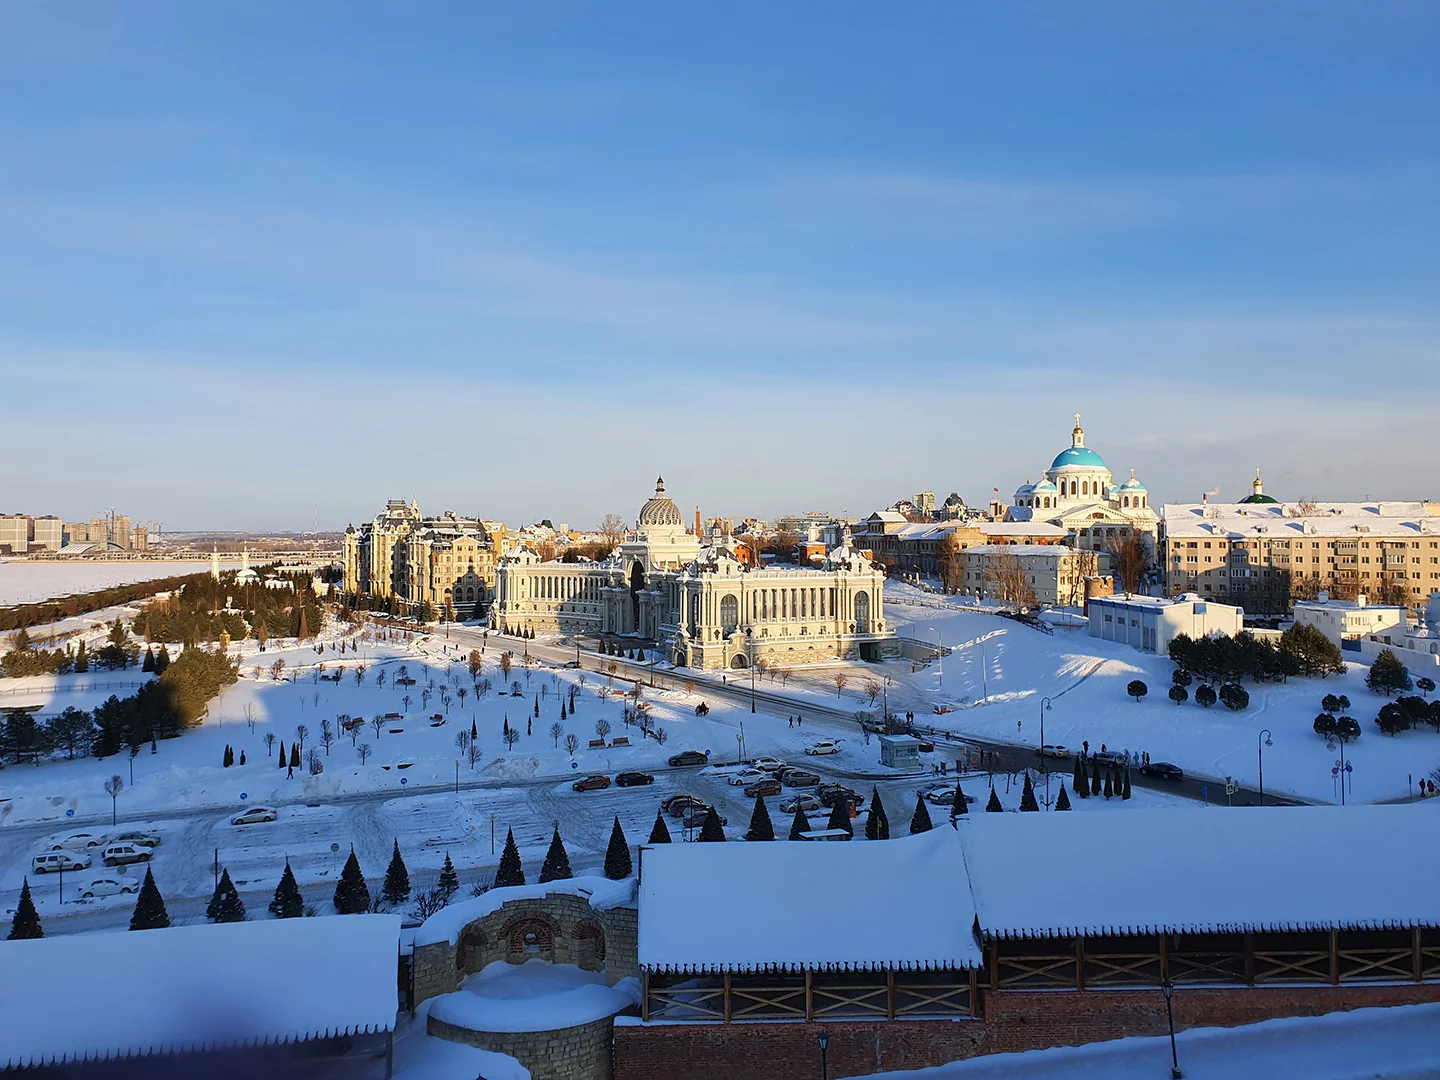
(403, 555)
(1045, 575)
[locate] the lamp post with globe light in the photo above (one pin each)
(1262, 740)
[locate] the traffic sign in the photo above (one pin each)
(1205, 790)
(1230, 789)
(404, 779)
(69, 813)
(574, 764)
(244, 796)
(334, 848)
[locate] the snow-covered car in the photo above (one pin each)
(748, 776)
(253, 816)
(52, 861)
(824, 746)
(144, 839)
(633, 779)
(80, 841)
(803, 803)
(689, 757)
(1056, 750)
(120, 854)
(798, 778)
(592, 783)
(108, 886)
(768, 765)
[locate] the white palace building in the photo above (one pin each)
(696, 599)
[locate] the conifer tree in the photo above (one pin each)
(509, 872)
(958, 805)
(162, 660)
(242, 757)
(1080, 782)
(877, 825)
(1126, 793)
(228, 758)
(282, 758)
(396, 888)
(761, 827)
(920, 820)
(617, 855)
(712, 832)
(287, 902)
(26, 924)
(294, 755)
(148, 664)
(1094, 778)
(557, 862)
(799, 824)
(474, 731)
(150, 911)
(659, 832)
(449, 880)
(82, 659)
(840, 817)
(1027, 796)
(352, 895)
(1109, 783)
(993, 806)
(225, 903)
(1063, 802)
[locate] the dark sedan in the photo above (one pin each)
(633, 779)
(830, 794)
(679, 805)
(1162, 769)
(695, 817)
(689, 757)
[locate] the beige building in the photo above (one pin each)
(1150, 623)
(1344, 621)
(407, 559)
(114, 533)
(1263, 554)
(1043, 575)
(14, 534)
(697, 600)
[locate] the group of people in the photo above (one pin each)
(796, 721)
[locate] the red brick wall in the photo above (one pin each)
(1014, 1020)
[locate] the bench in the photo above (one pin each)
(620, 740)
(597, 744)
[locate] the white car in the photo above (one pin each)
(749, 776)
(80, 841)
(116, 854)
(824, 746)
(768, 765)
(1055, 750)
(108, 886)
(143, 839)
(59, 860)
(253, 816)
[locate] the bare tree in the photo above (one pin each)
(482, 688)
(380, 679)
(364, 751)
(462, 692)
(406, 702)
(250, 715)
(312, 759)
(512, 736)
(784, 674)
(1128, 556)
(612, 529)
(359, 674)
(428, 902)
(872, 689)
(952, 562)
(506, 663)
(277, 669)
(327, 735)
(476, 662)
(1086, 565)
(378, 723)
(1306, 507)
(462, 740)
(840, 679)
(662, 736)
(472, 753)
(269, 742)
(1007, 573)
(300, 732)
(602, 727)
(556, 730)
(572, 743)
(113, 787)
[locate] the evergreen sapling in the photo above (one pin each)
(761, 827)
(617, 855)
(352, 895)
(287, 903)
(509, 872)
(225, 903)
(659, 832)
(396, 888)
(877, 825)
(557, 863)
(712, 832)
(1063, 801)
(449, 880)
(1027, 796)
(840, 817)
(920, 820)
(150, 911)
(26, 924)
(993, 805)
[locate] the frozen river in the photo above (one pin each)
(26, 582)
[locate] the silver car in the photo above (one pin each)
(108, 886)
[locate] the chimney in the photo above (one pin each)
(697, 521)
(1360, 600)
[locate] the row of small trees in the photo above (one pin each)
(1302, 650)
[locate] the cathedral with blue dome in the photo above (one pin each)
(1079, 495)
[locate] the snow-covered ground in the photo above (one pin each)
(24, 581)
(534, 996)
(1000, 671)
(1401, 1043)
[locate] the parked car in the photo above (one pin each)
(592, 783)
(695, 817)
(119, 854)
(253, 816)
(768, 765)
(633, 779)
(80, 841)
(830, 794)
(748, 776)
(108, 886)
(824, 746)
(59, 860)
(767, 786)
(798, 778)
(1108, 757)
(689, 757)
(1056, 750)
(675, 805)
(803, 803)
(944, 795)
(1163, 769)
(144, 839)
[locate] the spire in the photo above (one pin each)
(214, 562)
(1077, 435)
(660, 485)
(1257, 486)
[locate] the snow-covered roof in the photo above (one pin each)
(602, 894)
(793, 907)
(221, 985)
(1056, 550)
(1282, 520)
(1201, 870)
(1019, 528)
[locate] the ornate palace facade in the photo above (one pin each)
(697, 600)
(406, 557)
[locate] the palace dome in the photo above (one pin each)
(1077, 457)
(659, 510)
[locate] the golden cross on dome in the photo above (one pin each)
(1077, 419)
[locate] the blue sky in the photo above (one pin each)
(516, 259)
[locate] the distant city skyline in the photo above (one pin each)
(518, 261)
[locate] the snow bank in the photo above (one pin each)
(446, 924)
(1401, 1043)
(224, 985)
(743, 907)
(1195, 870)
(534, 996)
(419, 1056)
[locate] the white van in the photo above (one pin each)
(118, 854)
(59, 860)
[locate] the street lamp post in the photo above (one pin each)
(939, 656)
(1044, 763)
(824, 1041)
(1168, 989)
(1261, 741)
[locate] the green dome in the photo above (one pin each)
(1253, 499)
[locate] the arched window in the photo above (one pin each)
(729, 614)
(1085, 487)
(862, 613)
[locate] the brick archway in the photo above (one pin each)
(470, 949)
(532, 934)
(589, 939)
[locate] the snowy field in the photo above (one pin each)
(25, 582)
(1000, 671)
